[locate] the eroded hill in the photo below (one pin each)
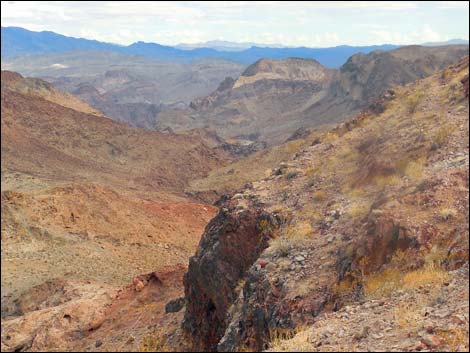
(130, 89)
(274, 98)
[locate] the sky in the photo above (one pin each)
(310, 24)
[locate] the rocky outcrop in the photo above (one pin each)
(231, 243)
(54, 314)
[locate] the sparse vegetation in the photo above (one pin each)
(291, 175)
(384, 283)
(448, 213)
(429, 274)
(413, 100)
(282, 245)
(359, 208)
(154, 342)
(414, 169)
(319, 196)
(456, 339)
(408, 316)
(442, 135)
(280, 338)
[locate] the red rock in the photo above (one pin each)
(419, 347)
(432, 341)
(139, 286)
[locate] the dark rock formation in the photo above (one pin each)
(175, 305)
(231, 243)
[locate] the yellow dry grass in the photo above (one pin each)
(154, 342)
(319, 196)
(407, 315)
(377, 285)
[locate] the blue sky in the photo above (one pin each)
(312, 24)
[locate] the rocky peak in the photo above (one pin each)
(285, 69)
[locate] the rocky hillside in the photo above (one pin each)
(52, 141)
(88, 205)
(274, 98)
(359, 242)
(14, 82)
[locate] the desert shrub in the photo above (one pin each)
(448, 213)
(282, 245)
(154, 342)
(414, 169)
(412, 101)
(359, 209)
(377, 285)
(442, 135)
(407, 315)
(291, 175)
(319, 196)
(279, 337)
(429, 274)
(456, 339)
(384, 283)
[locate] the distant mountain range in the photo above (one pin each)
(18, 41)
(447, 42)
(223, 45)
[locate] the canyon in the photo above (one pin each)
(207, 205)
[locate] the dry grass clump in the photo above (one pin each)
(359, 208)
(154, 342)
(282, 245)
(295, 340)
(414, 169)
(448, 213)
(408, 315)
(413, 100)
(383, 284)
(319, 196)
(429, 274)
(442, 135)
(302, 342)
(456, 339)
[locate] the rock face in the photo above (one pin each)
(231, 243)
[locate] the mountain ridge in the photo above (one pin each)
(274, 98)
(18, 41)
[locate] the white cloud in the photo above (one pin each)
(314, 23)
(425, 34)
